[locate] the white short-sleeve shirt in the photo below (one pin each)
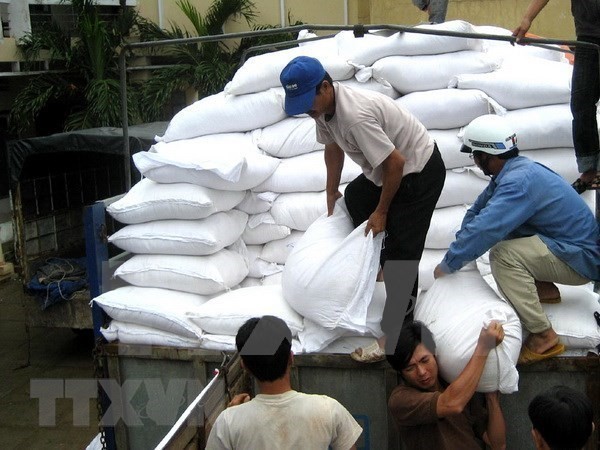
(285, 421)
(368, 126)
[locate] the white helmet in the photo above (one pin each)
(489, 134)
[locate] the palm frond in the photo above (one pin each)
(51, 38)
(32, 99)
(194, 16)
(103, 102)
(220, 11)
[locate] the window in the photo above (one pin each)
(43, 13)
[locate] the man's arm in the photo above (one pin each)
(392, 171)
(334, 162)
(495, 435)
(456, 396)
(531, 13)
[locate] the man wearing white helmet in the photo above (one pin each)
(537, 228)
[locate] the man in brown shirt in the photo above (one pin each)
(431, 413)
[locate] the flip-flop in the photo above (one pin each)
(594, 184)
(580, 186)
(547, 292)
(529, 357)
(370, 354)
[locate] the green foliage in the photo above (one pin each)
(205, 67)
(86, 81)
(85, 78)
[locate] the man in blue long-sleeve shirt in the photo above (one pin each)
(537, 228)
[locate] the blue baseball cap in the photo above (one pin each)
(299, 79)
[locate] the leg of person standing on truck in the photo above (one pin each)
(435, 8)
(585, 87)
(408, 221)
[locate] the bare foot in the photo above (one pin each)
(381, 342)
(540, 342)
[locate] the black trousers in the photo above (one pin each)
(408, 220)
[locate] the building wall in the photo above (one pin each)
(555, 20)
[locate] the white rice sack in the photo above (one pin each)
(368, 49)
(162, 309)
(560, 160)
(329, 276)
(429, 260)
(449, 145)
(204, 275)
(291, 137)
(472, 304)
(261, 228)
(258, 267)
(508, 51)
(449, 108)
(262, 72)
(182, 237)
(223, 171)
(305, 173)
(328, 45)
(270, 280)
(226, 313)
(134, 334)
(147, 201)
(298, 210)
(536, 83)
(279, 250)
(427, 72)
(445, 223)
(371, 84)
(572, 319)
(223, 154)
(542, 126)
(218, 342)
(222, 113)
(257, 202)
(461, 187)
(314, 338)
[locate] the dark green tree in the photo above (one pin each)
(204, 67)
(83, 78)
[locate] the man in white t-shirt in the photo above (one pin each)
(403, 172)
(278, 417)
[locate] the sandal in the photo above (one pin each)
(370, 354)
(529, 357)
(595, 183)
(580, 186)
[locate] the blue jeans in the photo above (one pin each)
(585, 93)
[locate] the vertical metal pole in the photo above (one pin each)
(124, 118)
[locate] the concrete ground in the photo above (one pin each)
(40, 364)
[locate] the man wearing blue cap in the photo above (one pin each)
(403, 172)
